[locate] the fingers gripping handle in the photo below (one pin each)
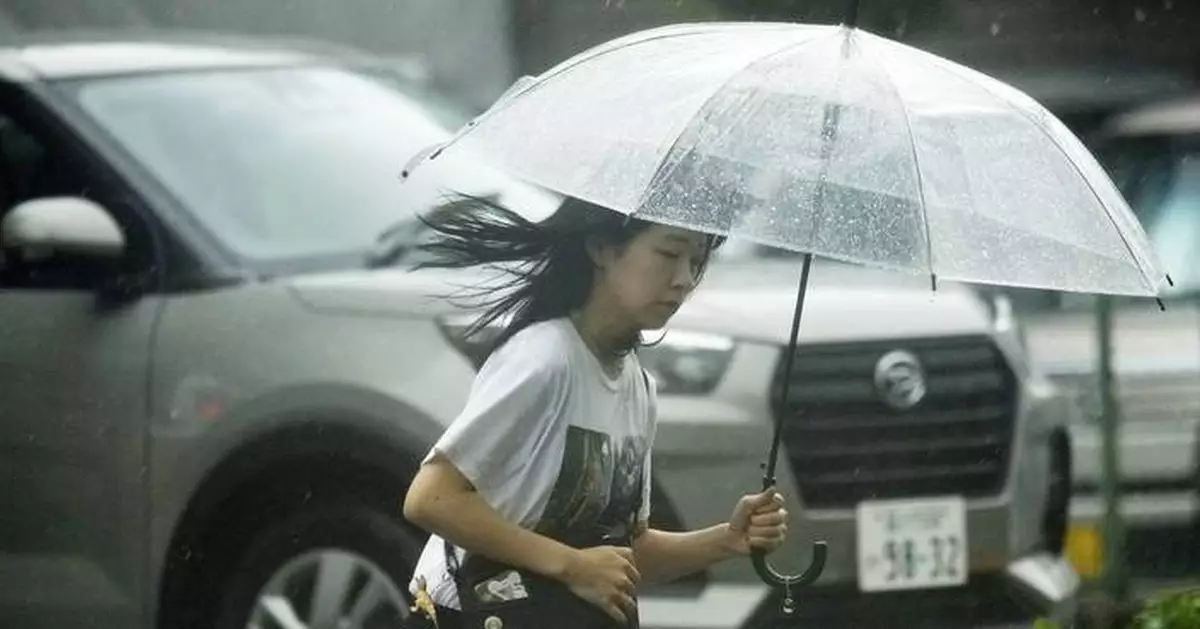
(785, 582)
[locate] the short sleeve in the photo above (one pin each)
(511, 412)
(643, 516)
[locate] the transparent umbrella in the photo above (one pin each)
(825, 140)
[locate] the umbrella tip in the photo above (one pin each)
(933, 281)
(1161, 306)
(1170, 282)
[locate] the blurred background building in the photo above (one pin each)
(465, 45)
(1076, 55)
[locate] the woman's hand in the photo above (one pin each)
(606, 577)
(759, 522)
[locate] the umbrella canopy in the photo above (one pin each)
(825, 140)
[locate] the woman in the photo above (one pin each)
(546, 470)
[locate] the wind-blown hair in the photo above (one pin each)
(549, 273)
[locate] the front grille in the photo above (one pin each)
(847, 445)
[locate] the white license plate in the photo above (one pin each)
(912, 544)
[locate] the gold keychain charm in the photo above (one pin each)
(423, 603)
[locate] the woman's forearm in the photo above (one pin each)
(466, 520)
(665, 556)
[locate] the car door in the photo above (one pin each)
(73, 376)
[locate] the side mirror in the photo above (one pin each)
(62, 224)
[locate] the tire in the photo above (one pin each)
(373, 554)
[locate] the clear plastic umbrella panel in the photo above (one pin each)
(828, 141)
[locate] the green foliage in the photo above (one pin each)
(1173, 610)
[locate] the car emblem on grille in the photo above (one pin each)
(900, 380)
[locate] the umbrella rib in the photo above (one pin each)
(667, 33)
(661, 172)
(566, 65)
(1107, 212)
(1037, 125)
(912, 140)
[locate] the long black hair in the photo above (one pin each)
(549, 273)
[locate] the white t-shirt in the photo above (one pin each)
(551, 442)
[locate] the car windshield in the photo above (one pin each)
(280, 164)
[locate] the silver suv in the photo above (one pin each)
(212, 395)
(210, 407)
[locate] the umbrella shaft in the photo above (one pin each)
(789, 363)
(852, 13)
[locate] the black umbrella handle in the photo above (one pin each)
(787, 582)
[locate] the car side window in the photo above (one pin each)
(36, 165)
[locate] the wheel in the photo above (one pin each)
(325, 567)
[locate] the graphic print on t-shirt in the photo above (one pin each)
(599, 488)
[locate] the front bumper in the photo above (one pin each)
(1035, 586)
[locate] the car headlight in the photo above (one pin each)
(686, 363)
